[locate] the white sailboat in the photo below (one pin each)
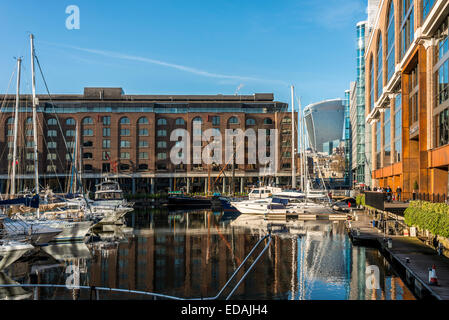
(65, 230)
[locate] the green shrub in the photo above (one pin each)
(360, 200)
(428, 216)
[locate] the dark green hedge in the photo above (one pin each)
(428, 216)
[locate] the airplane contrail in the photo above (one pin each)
(199, 72)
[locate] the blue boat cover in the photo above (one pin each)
(27, 201)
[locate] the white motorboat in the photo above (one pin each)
(263, 192)
(39, 234)
(108, 194)
(11, 251)
(69, 230)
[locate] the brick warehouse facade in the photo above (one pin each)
(128, 137)
(407, 60)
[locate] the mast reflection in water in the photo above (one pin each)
(193, 254)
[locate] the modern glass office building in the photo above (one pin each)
(324, 122)
(347, 136)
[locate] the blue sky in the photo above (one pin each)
(186, 47)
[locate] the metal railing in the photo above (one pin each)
(96, 290)
(431, 197)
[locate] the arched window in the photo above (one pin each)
(142, 120)
(124, 120)
(88, 120)
(51, 122)
(70, 122)
(250, 122)
(233, 120)
(380, 83)
(198, 120)
(391, 45)
(161, 122)
(10, 120)
(267, 121)
(180, 122)
(29, 120)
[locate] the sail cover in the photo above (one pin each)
(32, 202)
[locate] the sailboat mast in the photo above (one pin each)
(35, 102)
(293, 141)
(16, 125)
(301, 144)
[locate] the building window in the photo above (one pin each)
(124, 155)
(88, 120)
(443, 81)
(10, 132)
(426, 7)
(106, 132)
(378, 145)
(70, 144)
(50, 156)
(29, 144)
(233, 120)
(29, 120)
(180, 122)
(198, 119)
(162, 133)
(88, 144)
(371, 92)
(407, 26)
(125, 132)
(387, 137)
(391, 63)
(29, 133)
(215, 120)
(51, 168)
(143, 166)
(161, 122)
(106, 167)
(413, 94)
(70, 122)
(142, 120)
(162, 144)
(106, 143)
(143, 132)
(10, 120)
(52, 122)
(87, 132)
(286, 120)
(124, 120)
(106, 155)
(124, 167)
(30, 167)
(51, 133)
(70, 133)
(398, 128)
(106, 120)
(125, 144)
(380, 86)
(442, 63)
(143, 155)
(443, 128)
(68, 157)
(87, 155)
(267, 121)
(250, 122)
(30, 156)
(161, 156)
(88, 167)
(143, 144)
(287, 154)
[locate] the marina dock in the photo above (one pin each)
(410, 256)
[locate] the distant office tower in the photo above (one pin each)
(347, 137)
(324, 122)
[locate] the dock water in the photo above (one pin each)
(410, 256)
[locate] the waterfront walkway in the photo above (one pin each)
(411, 256)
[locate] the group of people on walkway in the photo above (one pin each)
(390, 195)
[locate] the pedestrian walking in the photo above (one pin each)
(399, 193)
